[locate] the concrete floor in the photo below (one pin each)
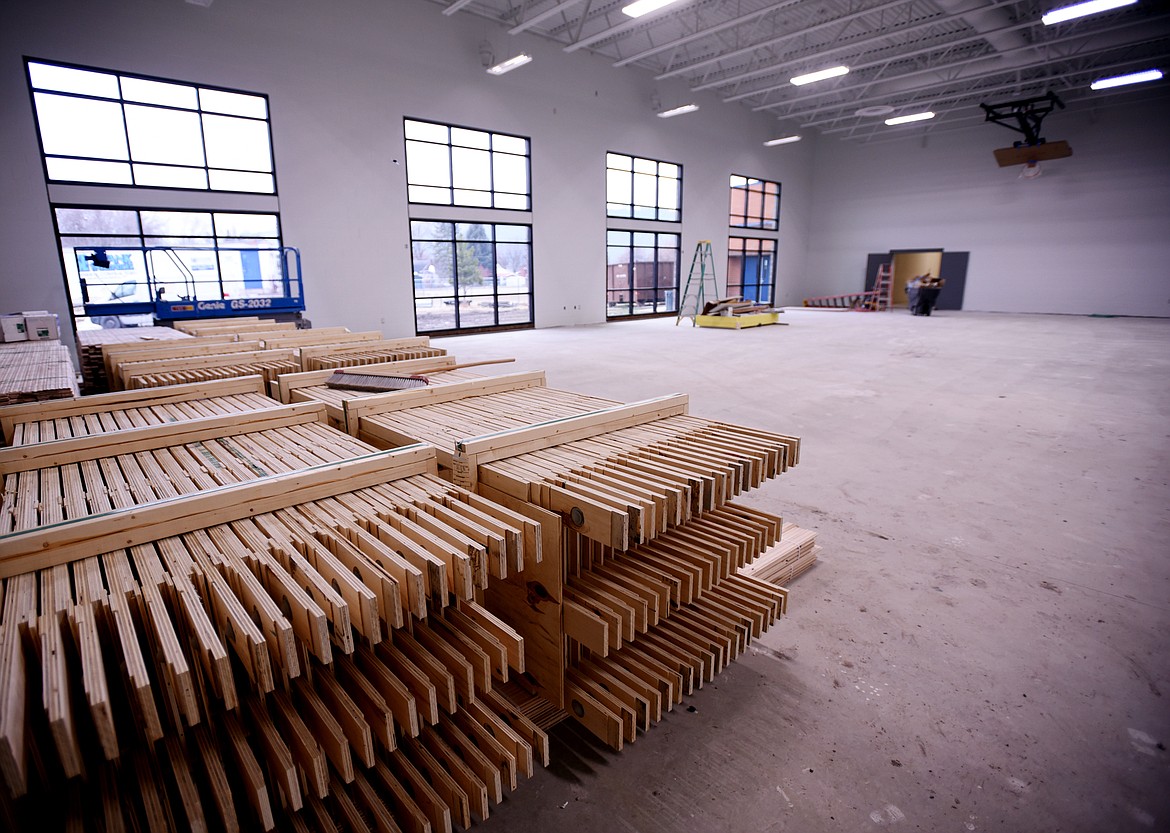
(983, 644)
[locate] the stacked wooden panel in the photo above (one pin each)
(796, 552)
(90, 345)
(35, 371)
(313, 385)
(233, 621)
(646, 602)
(102, 413)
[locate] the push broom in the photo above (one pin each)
(384, 383)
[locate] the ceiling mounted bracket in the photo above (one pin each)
(1027, 113)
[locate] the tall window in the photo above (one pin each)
(755, 204)
(457, 166)
(470, 275)
(642, 265)
(642, 189)
(118, 129)
(641, 273)
(751, 268)
(108, 254)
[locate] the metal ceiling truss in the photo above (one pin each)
(911, 55)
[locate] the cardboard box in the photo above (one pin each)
(41, 327)
(12, 328)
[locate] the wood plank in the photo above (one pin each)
(40, 548)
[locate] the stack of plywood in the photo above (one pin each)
(34, 371)
(796, 552)
(90, 344)
(252, 621)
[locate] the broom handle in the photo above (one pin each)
(390, 372)
(467, 364)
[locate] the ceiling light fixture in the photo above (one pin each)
(678, 111)
(820, 75)
(642, 7)
(909, 118)
(1082, 9)
(783, 140)
(510, 64)
(1122, 80)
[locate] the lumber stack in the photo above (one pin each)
(369, 352)
(91, 343)
(35, 371)
(795, 553)
(247, 626)
(646, 601)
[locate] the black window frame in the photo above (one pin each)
(496, 326)
(762, 222)
(76, 305)
(453, 188)
(633, 205)
(129, 161)
(743, 253)
(660, 309)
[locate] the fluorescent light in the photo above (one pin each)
(678, 111)
(1122, 80)
(510, 64)
(909, 118)
(821, 75)
(642, 7)
(1082, 9)
(783, 140)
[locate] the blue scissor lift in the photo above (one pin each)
(266, 281)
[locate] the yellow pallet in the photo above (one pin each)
(738, 322)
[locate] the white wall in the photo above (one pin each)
(1091, 234)
(340, 77)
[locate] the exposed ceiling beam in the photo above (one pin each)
(902, 56)
(1080, 38)
(747, 50)
(543, 16)
(456, 6)
(852, 45)
(910, 91)
(691, 38)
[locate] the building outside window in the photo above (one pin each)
(755, 204)
(641, 273)
(751, 268)
(470, 276)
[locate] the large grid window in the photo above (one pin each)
(751, 268)
(642, 189)
(189, 255)
(641, 273)
(457, 166)
(471, 275)
(755, 204)
(117, 129)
